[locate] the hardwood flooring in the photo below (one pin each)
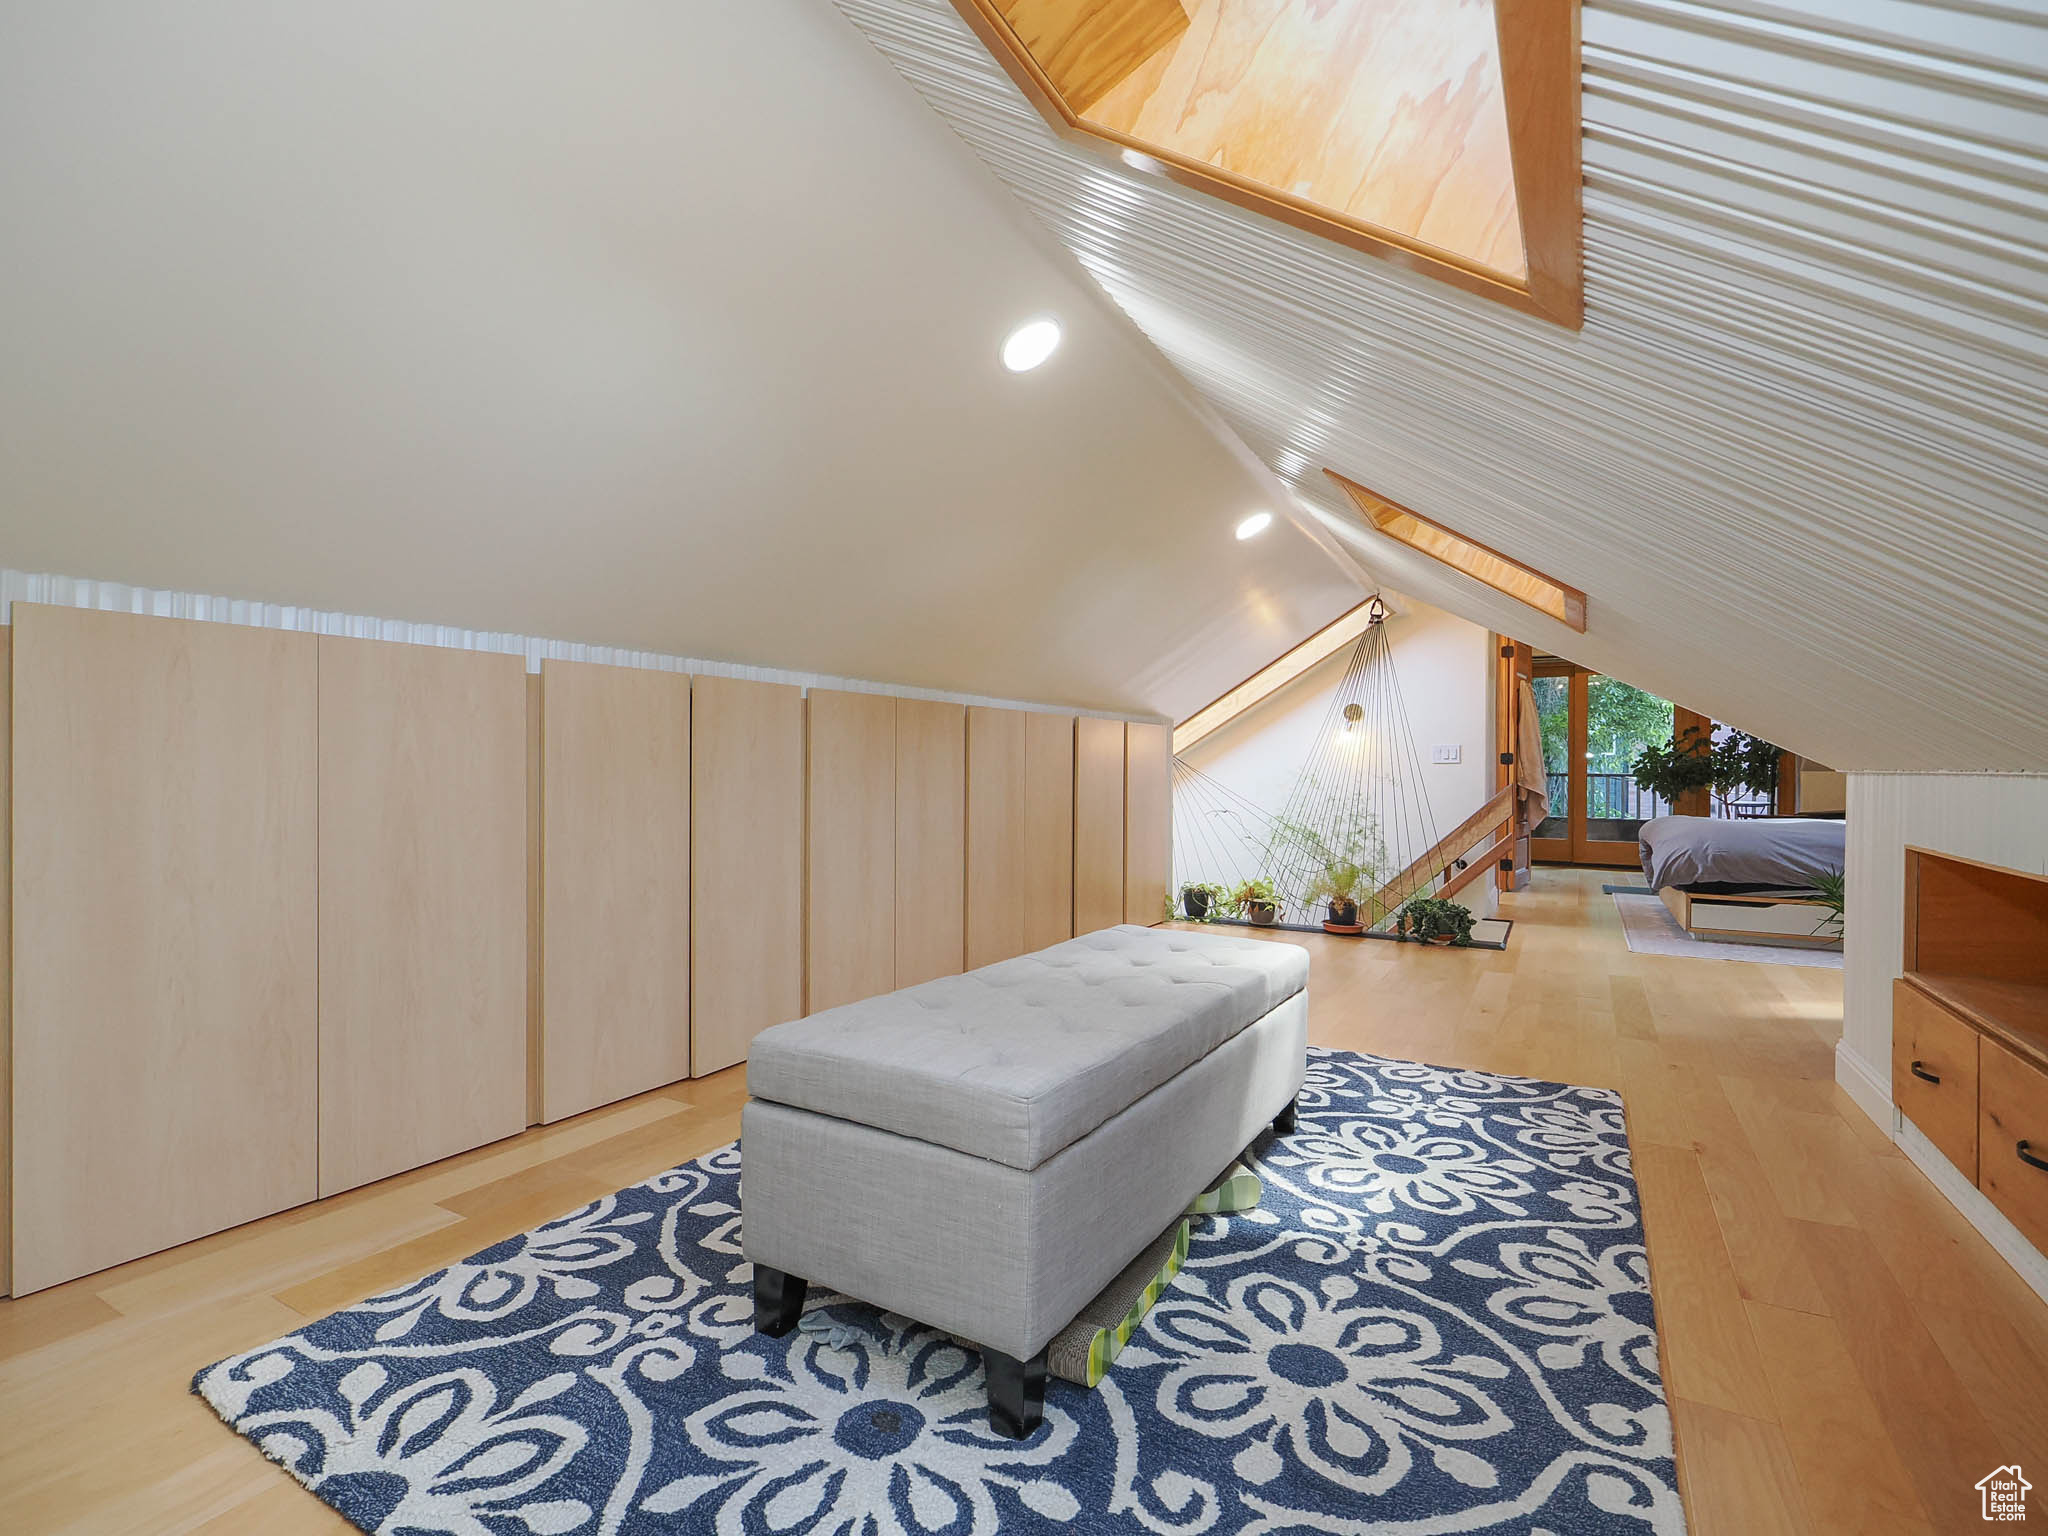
(1844, 1353)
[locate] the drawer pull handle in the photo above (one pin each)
(2029, 1159)
(1924, 1075)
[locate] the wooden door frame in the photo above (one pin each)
(1558, 850)
(1577, 847)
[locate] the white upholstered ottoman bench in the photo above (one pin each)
(985, 1152)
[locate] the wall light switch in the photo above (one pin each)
(1444, 754)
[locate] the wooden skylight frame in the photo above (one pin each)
(1538, 43)
(1505, 574)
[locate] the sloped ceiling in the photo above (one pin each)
(1796, 457)
(671, 327)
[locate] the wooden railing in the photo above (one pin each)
(1504, 807)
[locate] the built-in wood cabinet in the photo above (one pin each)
(293, 913)
(1970, 1027)
(746, 865)
(1148, 840)
(851, 785)
(931, 840)
(1934, 1073)
(995, 835)
(615, 857)
(1098, 824)
(422, 905)
(1048, 878)
(164, 1050)
(2012, 1138)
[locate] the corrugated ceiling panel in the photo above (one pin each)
(1796, 457)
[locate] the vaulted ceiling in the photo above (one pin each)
(666, 327)
(1798, 456)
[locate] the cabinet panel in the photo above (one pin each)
(746, 865)
(616, 876)
(164, 1025)
(851, 785)
(1147, 823)
(2013, 1109)
(931, 840)
(1048, 887)
(995, 835)
(6, 961)
(1943, 1047)
(1098, 824)
(422, 905)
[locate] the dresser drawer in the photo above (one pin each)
(2013, 1109)
(1930, 1043)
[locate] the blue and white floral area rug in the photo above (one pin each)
(1437, 1321)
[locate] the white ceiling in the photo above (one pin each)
(671, 327)
(1798, 457)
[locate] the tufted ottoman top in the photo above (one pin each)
(1019, 1059)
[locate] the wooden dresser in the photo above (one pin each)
(1970, 1027)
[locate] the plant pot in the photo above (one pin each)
(1442, 940)
(1262, 914)
(1195, 904)
(1344, 912)
(1330, 927)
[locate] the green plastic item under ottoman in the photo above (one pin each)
(1238, 1190)
(1082, 1351)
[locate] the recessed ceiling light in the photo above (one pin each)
(1254, 525)
(1030, 344)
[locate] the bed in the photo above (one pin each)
(1747, 881)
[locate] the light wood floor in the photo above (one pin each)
(1843, 1352)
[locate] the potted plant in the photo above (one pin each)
(1199, 900)
(1693, 759)
(1337, 887)
(1257, 902)
(1673, 771)
(1428, 920)
(1833, 891)
(1352, 859)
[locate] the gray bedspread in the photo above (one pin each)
(1783, 853)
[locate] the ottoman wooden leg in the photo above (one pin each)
(778, 1300)
(1283, 1123)
(1016, 1392)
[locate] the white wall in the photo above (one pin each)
(1996, 818)
(1445, 667)
(671, 328)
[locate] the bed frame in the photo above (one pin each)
(1751, 919)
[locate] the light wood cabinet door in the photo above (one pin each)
(164, 1019)
(995, 835)
(746, 865)
(2012, 1127)
(1148, 823)
(422, 905)
(931, 840)
(851, 826)
(1098, 824)
(1934, 1074)
(615, 814)
(1048, 882)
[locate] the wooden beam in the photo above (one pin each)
(1272, 677)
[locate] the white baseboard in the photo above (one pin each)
(1978, 1211)
(1870, 1088)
